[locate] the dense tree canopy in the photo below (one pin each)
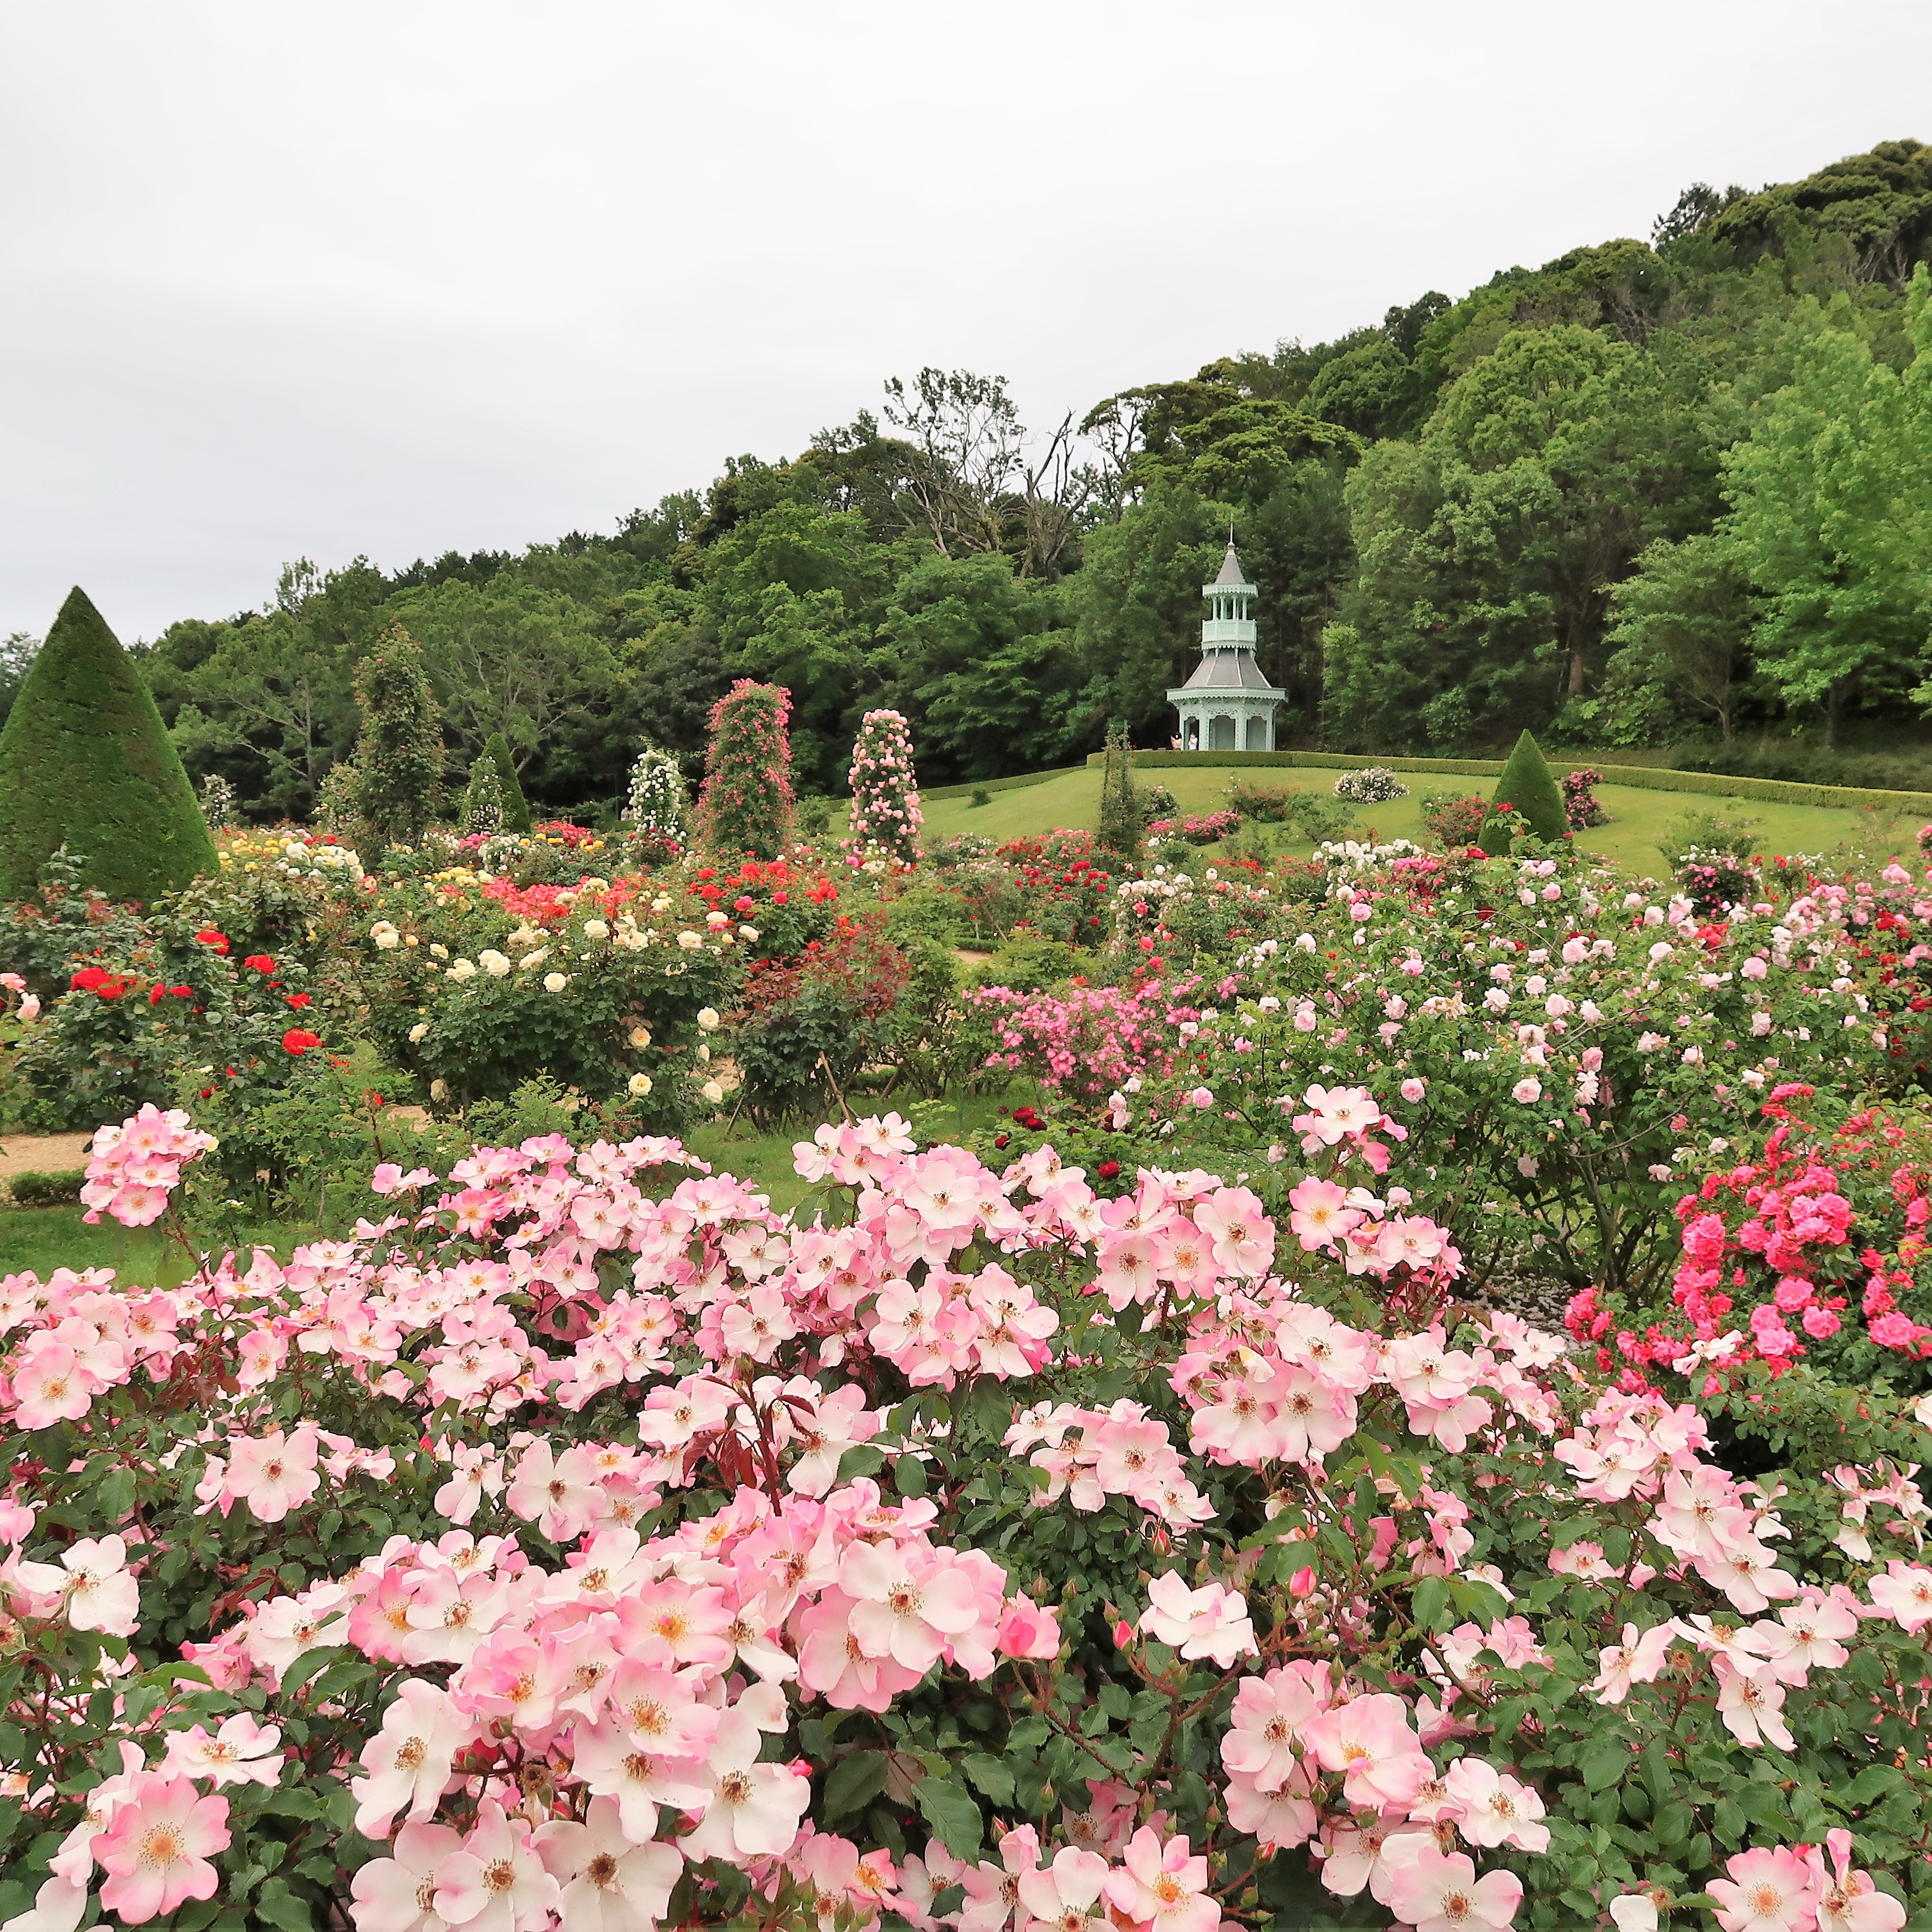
(1648, 493)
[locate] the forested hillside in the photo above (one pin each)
(1649, 493)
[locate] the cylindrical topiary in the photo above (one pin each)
(516, 807)
(654, 805)
(745, 806)
(399, 756)
(217, 802)
(1527, 799)
(1122, 825)
(483, 799)
(886, 815)
(86, 762)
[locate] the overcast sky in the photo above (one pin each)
(394, 276)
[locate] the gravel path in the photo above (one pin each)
(41, 1154)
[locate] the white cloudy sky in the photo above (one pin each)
(327, 277)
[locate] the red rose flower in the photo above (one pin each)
(208, 937)
(297, 1041)
(260, 962)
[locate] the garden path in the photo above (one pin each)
(41, 1154)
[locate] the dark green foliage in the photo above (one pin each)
(746, 805)
(516, 807)
(1529, 789)
(86, 763)
(399, 757)
(1121, 826)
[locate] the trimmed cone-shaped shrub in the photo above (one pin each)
(1529, 789)
(1121, 824)
(86, 762)
(516, 807)
(886, 815)
(399, 756)
(746, 804)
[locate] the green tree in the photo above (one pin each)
(509, 659)
(1486, 551)
(86, 763)
(1679, 628)
(268, 698)
(399, 757)
(983, 663)
(1832, 516)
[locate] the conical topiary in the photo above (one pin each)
(516, 807)
(86, 762)
(1535, 800)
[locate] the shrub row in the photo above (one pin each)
(1643, 777)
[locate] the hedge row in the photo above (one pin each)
(1008, 785)
(1643, 778)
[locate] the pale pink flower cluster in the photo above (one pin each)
(1776, 1888)
(277, 1472)
(1090, 1454)
(1140, 1882)
(133, 1166)
(1300, 1735)
(1368, 1235)
(82, 1336)
(1641, 1446)
(1754, 1663)
(643, 1674)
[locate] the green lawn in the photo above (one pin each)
(1637, 818)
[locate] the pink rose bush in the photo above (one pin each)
(886, 815)
(1581, 1050)
(579, 1542)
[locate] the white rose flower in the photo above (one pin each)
(596, 928)
(555, 982)
(641, 1037)
(439, 952)
(750, 932)
(703, 1052)
(640, 1085)
(530, 961)
(707, 1018)
(712, 1092)
(418, 1033)
(464, 969)
(438, 1090)
(493, 962)
(715, 919)
(692, 942)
